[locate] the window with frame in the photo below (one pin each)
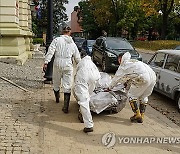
(158, 60)
(178, 69)
(84, 45)
(103, 44)
(172, 63)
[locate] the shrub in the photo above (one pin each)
(38, 41)
(156, 45)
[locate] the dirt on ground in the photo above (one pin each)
(166, 106)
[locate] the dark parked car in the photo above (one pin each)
(87, 47)
(106, 50)
(78, 41)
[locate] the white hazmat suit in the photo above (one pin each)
(141, 79)
(64, 49)
(141, 76)
(85, 81)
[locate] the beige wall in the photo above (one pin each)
(15, 30)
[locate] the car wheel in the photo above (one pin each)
(104, 66)
(178, 102)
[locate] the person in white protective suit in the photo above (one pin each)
(64, 49)
(141, 79)
(87, 75)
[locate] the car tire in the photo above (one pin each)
(178, 102)
(104, 66)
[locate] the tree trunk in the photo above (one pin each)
(164, 26)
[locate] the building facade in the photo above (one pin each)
(76, 29)
(15, 31)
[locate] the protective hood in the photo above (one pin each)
(67, 38)
(84, 62)
(89, 69)
(125, 58)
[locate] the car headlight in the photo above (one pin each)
(111, 54)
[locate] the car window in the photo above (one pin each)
(178, 69)
(98, 42)
(103, 44)
(90, 43)
(83, 44)
(80, 40)
(177, 48)
(158, 60)
(118, 44)
(172, 63)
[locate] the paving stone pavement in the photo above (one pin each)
(67, 131)
(32, 123)
(18, 127)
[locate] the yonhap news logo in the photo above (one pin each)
(148, 140)
(110, 139)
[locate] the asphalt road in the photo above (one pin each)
(146, 56)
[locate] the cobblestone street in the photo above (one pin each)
(19, 129)
(19, 125)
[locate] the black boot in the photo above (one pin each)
(66, 102)
(86, 130)
(142, 108)
(57, 95)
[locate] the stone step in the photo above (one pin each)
(38, 54)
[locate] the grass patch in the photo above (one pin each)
(156, 45)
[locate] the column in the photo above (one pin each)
(14, 31)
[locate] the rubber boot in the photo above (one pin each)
(66, 102)
(57, 95)
(137, 116)
(87, 130)
(142, 108)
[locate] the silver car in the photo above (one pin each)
(177, 48)
(166, 64)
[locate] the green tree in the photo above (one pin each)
(59, 15)
(133, 16)
(119, 15)
(87, 20)
(167, 10)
